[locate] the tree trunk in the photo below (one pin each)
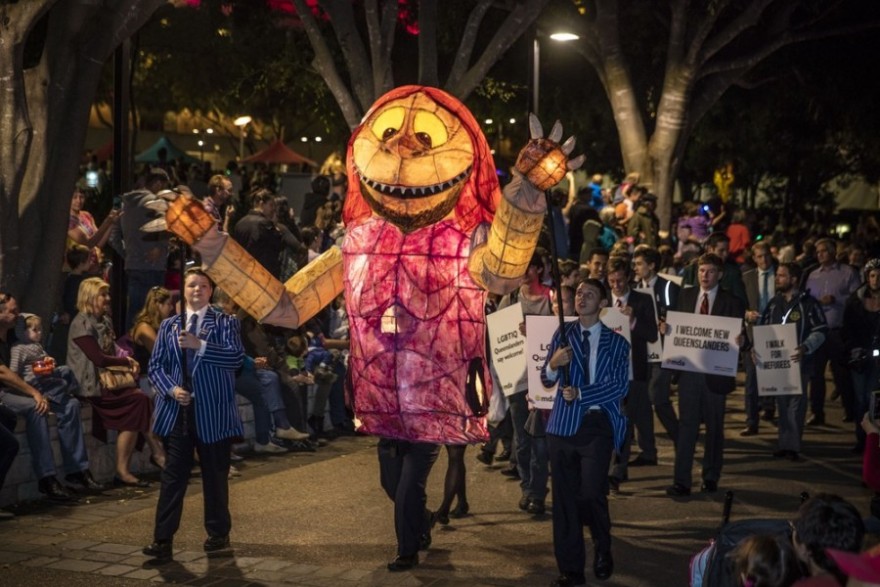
(42, 131)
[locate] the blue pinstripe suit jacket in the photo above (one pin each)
(213, 379)
(607, 390)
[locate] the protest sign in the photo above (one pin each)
(540, 330)
(701, 343)
(777, 373)
(655, 349)
(507, 345)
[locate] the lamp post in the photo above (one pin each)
(535, 65)
(241, 122)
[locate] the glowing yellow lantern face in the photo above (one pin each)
(412, 157)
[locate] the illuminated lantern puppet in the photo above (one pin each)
(428, 232)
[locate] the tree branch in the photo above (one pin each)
(704, 29)
(510, 30)
(746, 19)
(341, 14)
(325, 66)
(428, 43)
(378, 54)
(466, 45)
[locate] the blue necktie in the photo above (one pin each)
(191, 353)
(765, 293)
(585, 341)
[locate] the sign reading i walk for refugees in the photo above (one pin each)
(540, 331)
(508, 346)
(777, 373)
(701, 343)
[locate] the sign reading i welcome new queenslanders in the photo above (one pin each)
(701, 343)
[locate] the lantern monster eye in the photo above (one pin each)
(388, 123)
(429, 129)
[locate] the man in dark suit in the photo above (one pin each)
(760, 289)
(643, 329)
(585, 426)
(195, 409)
(718, 244)
(701, 398)
(646, 261)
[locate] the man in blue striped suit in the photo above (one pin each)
(586, 425)
(203, 416)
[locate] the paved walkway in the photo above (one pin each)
(321, 520)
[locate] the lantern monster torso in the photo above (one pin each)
(416, 324)
(418, 351)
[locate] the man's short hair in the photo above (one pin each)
(828, 242)
(828, 521)
(649, 254)
(715, 239)
(597, 251)
(197, 271)
(794, 270)
(710, 259)
(761, 245)
(618, 263)
(591, 281)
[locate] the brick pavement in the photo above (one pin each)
(320, 520)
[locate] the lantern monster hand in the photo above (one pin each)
(500, 259)
(234, 270)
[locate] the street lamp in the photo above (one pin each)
(559, 37)
(241, 122)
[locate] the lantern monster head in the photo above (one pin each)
(418, 156)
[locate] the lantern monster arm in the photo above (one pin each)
(247, 282)
(500, 258)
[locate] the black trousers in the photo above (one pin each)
(214, 462)
(8, 443)
(403, 472)
(579, 470)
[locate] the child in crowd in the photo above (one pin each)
(766, 560)
(32, 363)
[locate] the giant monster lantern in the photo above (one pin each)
(428, 232)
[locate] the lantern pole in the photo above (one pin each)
(557, 281)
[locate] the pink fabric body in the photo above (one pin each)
(410, 384)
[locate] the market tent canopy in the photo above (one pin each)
(172, 152)
(279, 153)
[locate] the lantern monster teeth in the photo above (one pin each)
(406, 192)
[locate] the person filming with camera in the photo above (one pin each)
(861, 338)
(792, 306)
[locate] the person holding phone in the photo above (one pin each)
(791, 306)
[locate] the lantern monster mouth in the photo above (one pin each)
(410, 192)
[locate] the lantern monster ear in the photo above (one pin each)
(544, 161)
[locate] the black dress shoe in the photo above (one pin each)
(504, 456)
(485, 457)
(815, 420)
(536, 507)
(460, 510)
(160, 550)
(53, 489)
(524, 503)
(603, 565)
(678, 490)
(425, 538)
(84, 479)
(216, 543)
(643, 461)
(749, 431)
(613, 484)
(117, 482)
(403, 563)
(709, 486)
(567, 580)
(511, 472)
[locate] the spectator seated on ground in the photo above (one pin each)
(766, 560)
(825, 521)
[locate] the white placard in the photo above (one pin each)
(507, 345)
(540, 330)
(777, 373)
(655, 349)
(701, 343)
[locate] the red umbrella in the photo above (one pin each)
(280, 153)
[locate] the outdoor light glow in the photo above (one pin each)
(210, 131)
(195, 131)
(512, 121)
(317, 139)
(242, 120)
(564, 37)
(201, 143)
(489, 121)
(305, 139)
